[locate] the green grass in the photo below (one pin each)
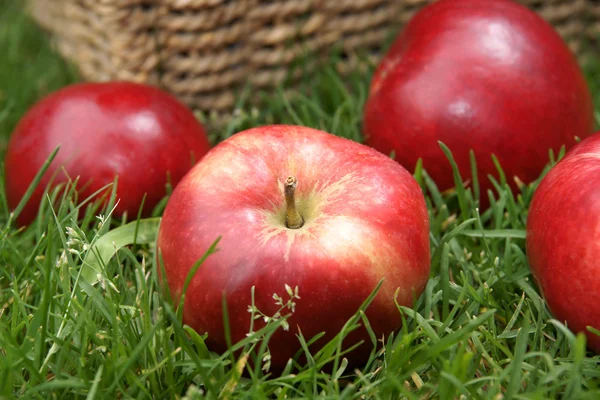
(480, 329)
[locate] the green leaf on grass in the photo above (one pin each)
(143, 231)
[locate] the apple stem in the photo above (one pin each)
(293, 219)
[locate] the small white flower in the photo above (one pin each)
(72, 232)
(289, 290)
(73, 251)
(62, 260)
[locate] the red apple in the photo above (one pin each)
(491, 76)
(563, 238)
(363, 218)
(135, 131)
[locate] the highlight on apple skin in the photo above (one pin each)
(295, 207)
(563, 239)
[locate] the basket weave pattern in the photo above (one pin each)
(204, 51)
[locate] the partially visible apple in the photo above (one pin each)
(563, 238)
(300, 207)
(491, 76)
(138, 132)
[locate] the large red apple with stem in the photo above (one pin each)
(489, 76)
(299, 207)
(137, 132)
(563, 238)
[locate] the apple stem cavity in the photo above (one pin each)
(293, 219)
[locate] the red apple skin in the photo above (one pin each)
(491, 76)
(563, 238)
(365, 219)
(135, 131)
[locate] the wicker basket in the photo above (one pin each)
(204, 51)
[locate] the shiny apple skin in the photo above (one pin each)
(563, 238)
(491, 76)
(135, 131)
(365, 219)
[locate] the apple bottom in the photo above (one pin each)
(324, 304)
(131, 189)
(523, 163)
(576, 320)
